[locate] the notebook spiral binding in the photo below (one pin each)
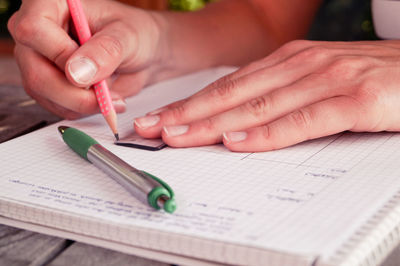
(376, 239)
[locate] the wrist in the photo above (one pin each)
(164, 62)
(176, 52)
(223, 33)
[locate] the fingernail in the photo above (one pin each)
(119, 105)
(173, 131)
(82, 70)
(147, 121)
(235, 136)
(159, 110)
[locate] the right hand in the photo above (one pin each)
(126, 41)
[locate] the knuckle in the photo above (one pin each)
(11, 22)
(225, 90)
(266, 134)
(220, 82)
(347, 67)
(111, 46)
(178, 113)
(315, 53)
(302, 119)
(310, 54)
(208, 125)
(369, 94)
(259, 106)
(344, 63)
(25, 30)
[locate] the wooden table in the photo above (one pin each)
(21, 247)
(19, 114)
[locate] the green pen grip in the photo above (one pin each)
(78, 141)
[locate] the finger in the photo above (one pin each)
(119, 105)
(100, 56)
(277, 103)
(223, 81)
(278, 56)
(236, 92)
(311, 49)
(43, 29)
(321, 119)
(130, 84)
(256, 112)
(52, 107)
(226, 97)
(49, 82)
(279, 69)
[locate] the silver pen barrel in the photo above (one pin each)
(132, 179)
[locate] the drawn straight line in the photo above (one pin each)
(323, 148)
(223, 153)
(245, 157)
(279, 162)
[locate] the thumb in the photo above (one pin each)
(100, 56)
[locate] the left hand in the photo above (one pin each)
(304, 90)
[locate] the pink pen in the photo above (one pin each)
(100, 88)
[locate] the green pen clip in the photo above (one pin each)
(163, 193)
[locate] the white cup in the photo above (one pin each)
(386, 16)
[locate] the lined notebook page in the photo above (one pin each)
(307, 199)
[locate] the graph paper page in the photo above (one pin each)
(306, 199)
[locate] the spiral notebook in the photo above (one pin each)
(330, 201)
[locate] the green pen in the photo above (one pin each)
(141, 184)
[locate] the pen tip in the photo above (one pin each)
(62, 129)
(116, 136)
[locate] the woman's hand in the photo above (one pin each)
(141, 47)
(125, 41)
(304, 90)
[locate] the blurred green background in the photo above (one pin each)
(7, 7)
(344, 20)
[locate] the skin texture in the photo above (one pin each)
(136, 47)
(285, 91)
(304, 90)
(45, 49)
